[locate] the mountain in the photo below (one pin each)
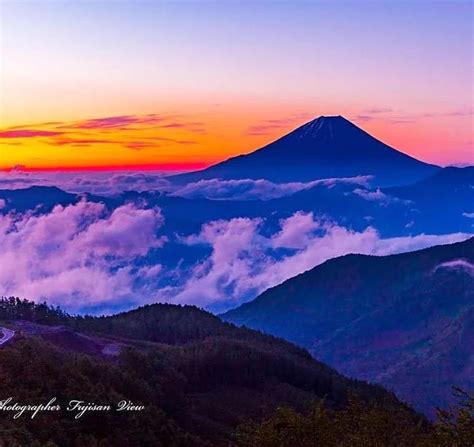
(327, 147)
(446, 182)
(394, 211)
(405, 321)
(42, 198)
(450, 188)
(198, 377)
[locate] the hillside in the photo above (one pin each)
(405, 321)
(198, 377)
(452, 188)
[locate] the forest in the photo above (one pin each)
(203, 383)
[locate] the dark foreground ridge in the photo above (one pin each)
(199, 379)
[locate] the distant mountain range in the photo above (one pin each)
(405, 321)
(328, 146)
(394, 211)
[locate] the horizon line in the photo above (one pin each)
(167, 167)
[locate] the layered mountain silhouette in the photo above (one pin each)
(450, 188)
(405, 321)
(394, 211)
(451, 184)
(327, 147)
(42, 198)
(198, 377)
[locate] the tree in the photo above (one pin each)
(455, 426)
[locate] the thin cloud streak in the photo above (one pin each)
(28, 133)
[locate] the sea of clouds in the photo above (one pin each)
(85, 257)
(114, 183)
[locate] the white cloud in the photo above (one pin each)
(458, 264)
(244, 261)
(296, 231)
(83, 255)
(248, 189)
(100, 183)
(76, 255)
(378, 196)
(115, 182)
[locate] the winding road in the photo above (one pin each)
(7, 335)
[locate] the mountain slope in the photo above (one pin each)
(405, 321)
(447, 181)
(323, 148)
(43, 198)
(198, 377)
(450, 188)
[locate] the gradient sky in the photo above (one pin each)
(179, 85)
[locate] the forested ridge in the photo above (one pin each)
(202, 381)
(405, 321)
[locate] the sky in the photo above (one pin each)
(174, 85)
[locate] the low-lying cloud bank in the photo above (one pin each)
(458, 264)
(244, 262)
(248, 189)
(85, 257)
(99, 183)
(112, 183)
